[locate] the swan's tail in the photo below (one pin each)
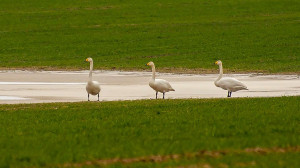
(172, 89)
(245, 87)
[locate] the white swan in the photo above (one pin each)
(159, 85)
(92, 87)
(230, 84)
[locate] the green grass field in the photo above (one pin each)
(178, 35)
(62, 134)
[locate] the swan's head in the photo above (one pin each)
(150, 64)
(219, 62)
(89, 60)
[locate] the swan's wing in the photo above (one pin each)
(97, 86)
(231, 84)
(164, 84)
(96, 83)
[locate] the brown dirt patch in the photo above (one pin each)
(202, 153)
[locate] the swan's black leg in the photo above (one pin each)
(98, 96)
(228, 95)
(156, 94)
(163, 95)
(88, 97)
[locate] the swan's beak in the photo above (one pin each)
(216, 62)
(86, 60)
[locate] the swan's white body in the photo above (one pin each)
(159, 85)
(92, 87)
(226, 83)
(230, 84)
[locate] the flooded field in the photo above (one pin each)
(69, 86)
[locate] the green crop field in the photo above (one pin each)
(178, 35)
(253, 132)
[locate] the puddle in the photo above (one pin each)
(39, 83)
(12, 98)
(69, 86)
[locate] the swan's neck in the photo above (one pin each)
(153, 72)
(91, 71)
(221, 73)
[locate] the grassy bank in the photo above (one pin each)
(58, 133)
(247, 35)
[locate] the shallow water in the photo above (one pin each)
(12, 98)
(69, 86)
(39, 83)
